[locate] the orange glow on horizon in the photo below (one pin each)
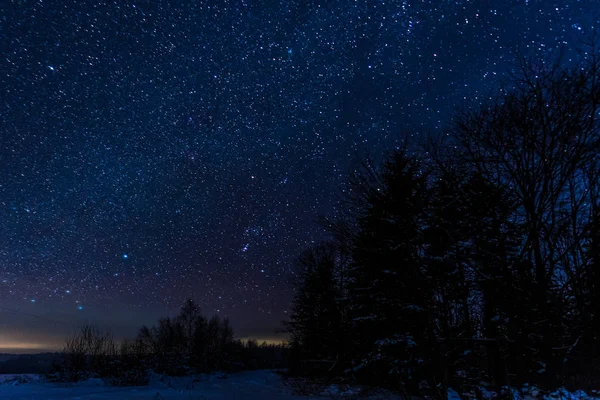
(268, 340)
(25, 348)
(14, 345)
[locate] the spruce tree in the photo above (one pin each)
(390, 292)
(316, 318)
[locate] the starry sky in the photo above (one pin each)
(156, 150)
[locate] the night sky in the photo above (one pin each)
(152, 151)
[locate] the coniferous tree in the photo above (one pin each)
(316, 319)
(472, 248)
(391, 296)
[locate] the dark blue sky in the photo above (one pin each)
(156, 150)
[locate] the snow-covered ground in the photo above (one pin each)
(245, 385)
(525, 393)
(251, 385)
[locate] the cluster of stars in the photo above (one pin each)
(154, 151)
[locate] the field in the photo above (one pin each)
(263, 385)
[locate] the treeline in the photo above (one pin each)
(27, 363)
(473, 260)
(184, 345)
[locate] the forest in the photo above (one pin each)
(471, 260)
(185, 345)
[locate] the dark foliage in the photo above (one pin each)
(388, 284)
(186, 344)
(88, 353)
(93, 353)
(318, 319)
(479, 262)
(251, 355)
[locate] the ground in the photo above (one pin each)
(263, 385)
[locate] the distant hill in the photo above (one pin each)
(26, 363)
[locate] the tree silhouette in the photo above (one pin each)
(316, 320)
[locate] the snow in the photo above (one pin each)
(250, 385)
(527, 392)
(245, 385)
(452, 395)
(12, 378)
(563, 394)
